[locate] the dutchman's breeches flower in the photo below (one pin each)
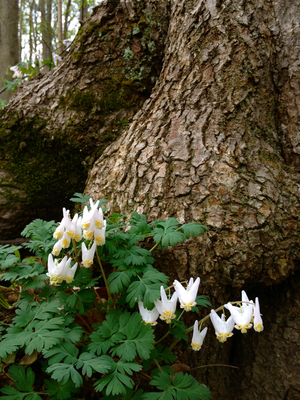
(223, 329)
(242, 316)
(148, 316)
(258, 323)
(59, 272)
(166, 308)
(198, 337)
(88, 255)
(187, 296)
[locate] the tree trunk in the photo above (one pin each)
(59, 26)
(215, 140)
(66, 20)
(45, 7)
(9, 40)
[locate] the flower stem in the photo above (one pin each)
(103, 275)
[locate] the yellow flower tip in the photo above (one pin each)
(99, 224)
(196, 346)
(55, 252)
(87, 263)
(243, 328)
(57, 235)
(85, 226)
(188, 306)
(258, 328)
(65, 243)
(70, 233)
(69, 279)
(222, 336)
(88, 235)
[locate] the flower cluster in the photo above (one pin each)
(91, 226)
(17, 72)
(241, 317)
(60, 271)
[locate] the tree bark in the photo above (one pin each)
(209, 93)
(9, 40)
(85, 102)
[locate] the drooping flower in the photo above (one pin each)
(148, 316)
(166, 308)
(56, 58)
(187, 296)
(58, 272)
(93, 224)
(65, 240)
(17, 72)
(223, 328)
(198, 337)
(67, 41)
(78, 231)
(99, 235)
(88, 255)
(258, 323)
(57, 248)
(241, 315)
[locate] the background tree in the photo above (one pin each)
(200, 102)
(9, 40)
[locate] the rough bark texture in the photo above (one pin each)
(217, 141)
(57, 125)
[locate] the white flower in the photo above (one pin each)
(258, 323)
(198, 337)
(56, 57)
(60, 271)
(98, 218)
(65, 240)
(242, 316)
(166, 308)
(78, 232)
(67, 41)
(148, 316)
(57, 248)
(93, 224)
(38, 56)
(88, 255)
(187, 296)
(17, 72)
(99, 235)
(223, 329)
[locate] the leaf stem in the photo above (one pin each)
(154, 247)
(158, 366)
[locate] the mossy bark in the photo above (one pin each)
(57, 124)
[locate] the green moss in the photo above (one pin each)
(47, 168)
(116, 94)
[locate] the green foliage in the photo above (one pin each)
(23, 382)
(181, 387)
(82, 339)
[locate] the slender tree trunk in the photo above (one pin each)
(9, 40)
(66, 21)
(31, 29)
(59, 26)
(83, 10)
